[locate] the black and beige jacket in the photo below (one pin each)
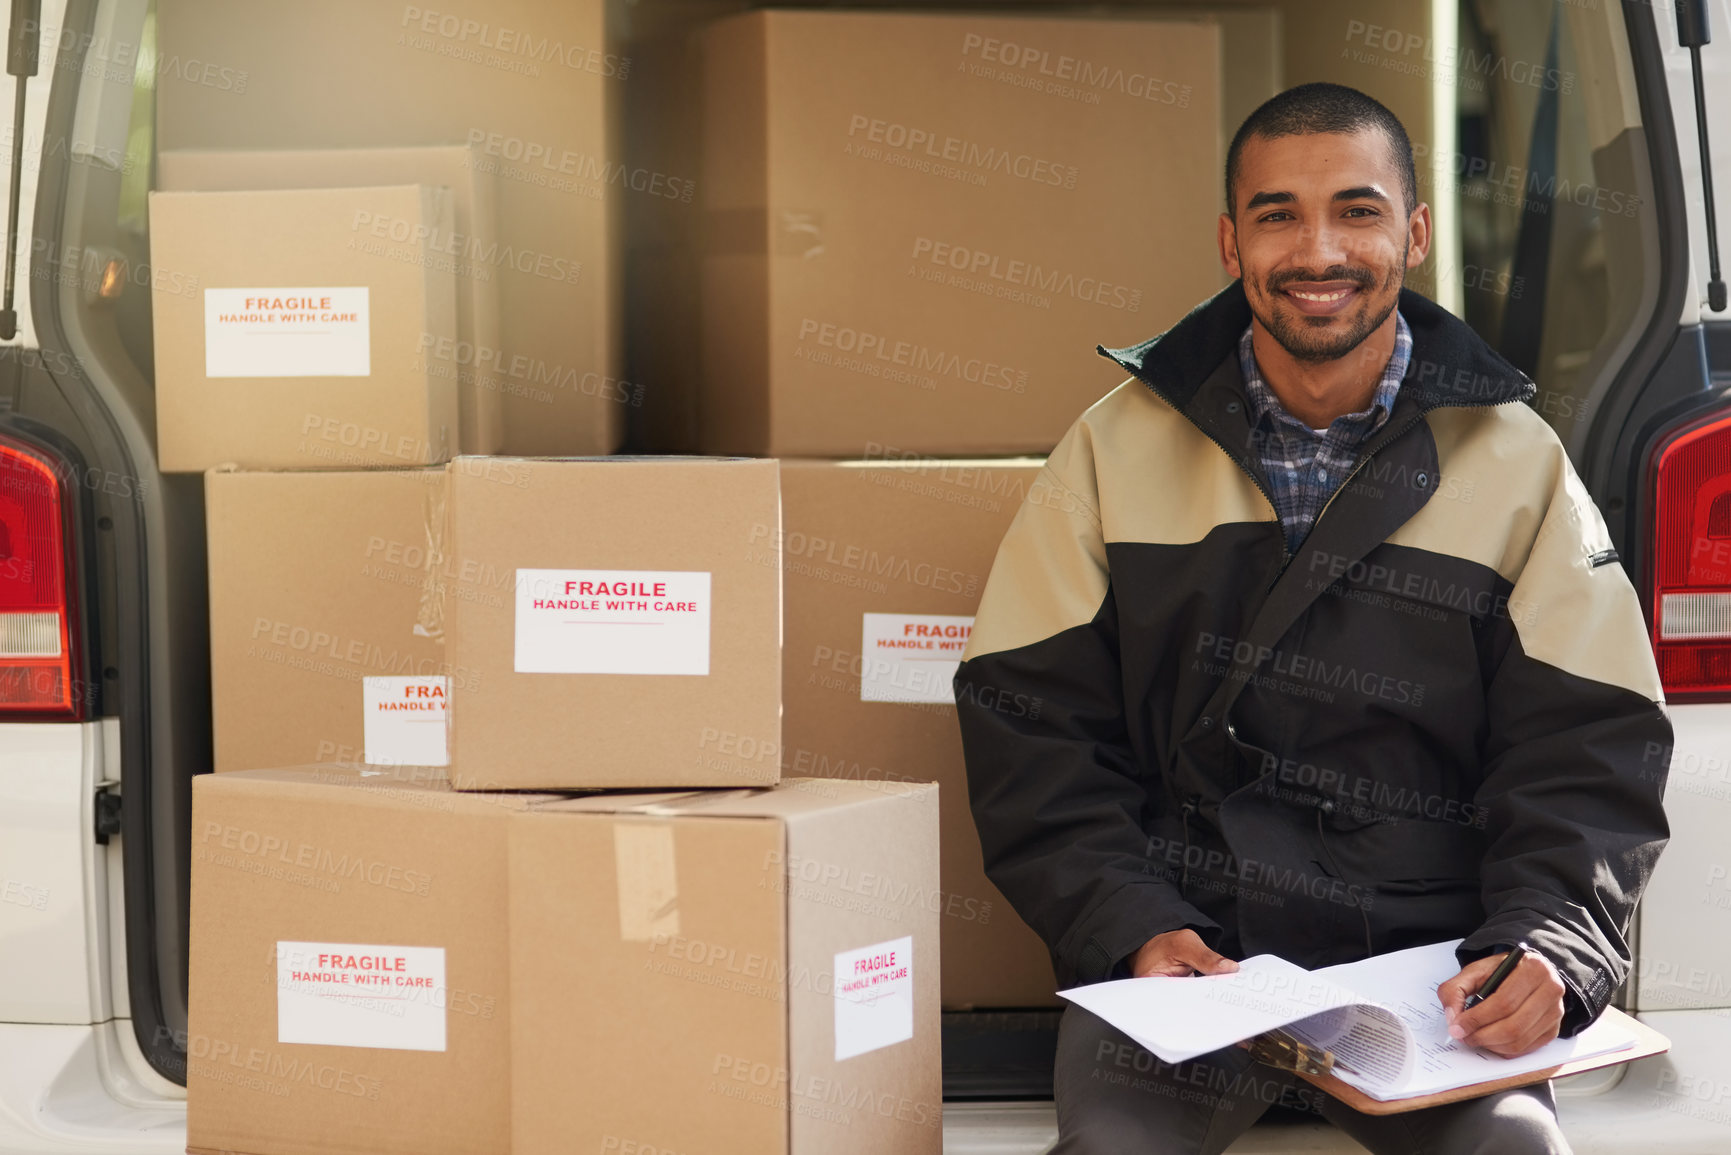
(1439, 718)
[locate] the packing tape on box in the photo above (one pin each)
(753, 232)
(430, 613)
(647, 880)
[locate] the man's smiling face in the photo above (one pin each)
(1321, 237)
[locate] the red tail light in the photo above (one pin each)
(37, 672)
(1691, 561)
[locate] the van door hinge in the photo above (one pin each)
(107, 815)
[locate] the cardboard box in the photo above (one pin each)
(289, 865)
(620, 621)
(535, 88)
(885, 560)
(761, 965)
(476, 359)
(324, 617)
(920, 225)
(737, 972)
(301, 345)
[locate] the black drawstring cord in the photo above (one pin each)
(1326, 806)
(1185, 811)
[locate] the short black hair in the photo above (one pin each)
(1322, 107)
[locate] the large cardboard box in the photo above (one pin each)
(761, 965)
(619, 620)
(380, 964)
(302, 344)
(349, 972)
(536, 88)
(324, 617)
(920, 225)
(476, 359)
(885, 560)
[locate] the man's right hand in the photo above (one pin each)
(1179, 954)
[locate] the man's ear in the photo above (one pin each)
(1228, 237)
(1418, 236)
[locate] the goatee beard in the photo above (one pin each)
(1315, 346)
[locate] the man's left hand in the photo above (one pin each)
(1521, 1016)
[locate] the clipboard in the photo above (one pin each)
(1315, 1066)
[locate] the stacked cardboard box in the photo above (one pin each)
(885, 560)
(292, 328)
(565, 624)
(534, 88)
(382, 964)
(475, 359)
(918, 226)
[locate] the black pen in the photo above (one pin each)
(1503, 971)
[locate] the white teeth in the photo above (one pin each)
(1335, 296)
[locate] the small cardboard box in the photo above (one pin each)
(324, 617)
(620, 619)
(738, 972)
(884, 560)
(290, 327)
(474, 360)
(919, 225)
(381, 964)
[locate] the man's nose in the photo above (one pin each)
(1325, 244)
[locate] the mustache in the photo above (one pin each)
(1362, 277)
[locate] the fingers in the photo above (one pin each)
(1531, 1025)
(1178, 954)
(1452, 993)
(1525, 1012)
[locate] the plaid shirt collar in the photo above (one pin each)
(1304, 466)
(1263, 402)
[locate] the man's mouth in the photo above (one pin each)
(1321, 298)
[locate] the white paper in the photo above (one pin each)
(361, 995)
(591, 621)
(874, 997)
(287, 332)
(403, 720)
(1180, 1018)
(1388, 1001)
(1405, 982)
(912, 657)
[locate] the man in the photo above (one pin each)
(1332, 657)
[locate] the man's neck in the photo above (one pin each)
(1316, 392)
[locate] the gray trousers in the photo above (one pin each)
(1113, 1097)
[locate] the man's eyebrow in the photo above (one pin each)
(1362, 192)
(1270, 198)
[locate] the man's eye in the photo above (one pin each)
(1277, 215)
(1362, 210)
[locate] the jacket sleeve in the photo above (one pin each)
(1051, 778)
(1575, 759)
